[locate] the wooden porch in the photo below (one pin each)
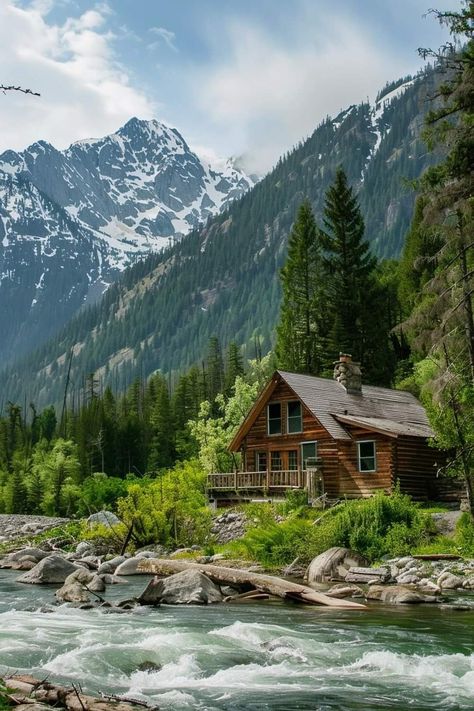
(266, 483)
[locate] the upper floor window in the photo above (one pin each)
(366, 455)
(295, 420)
(274, 418)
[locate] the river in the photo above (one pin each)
(244, 656)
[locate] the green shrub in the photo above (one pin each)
(376, 527)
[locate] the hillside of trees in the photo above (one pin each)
(224, 279)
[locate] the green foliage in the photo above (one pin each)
(461, 543)
(218, 421)
(171, 509)
(101, 492)
(299, 332)
(438, 261)
(110, 538)
(375, 527)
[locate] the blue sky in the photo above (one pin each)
(237, 77)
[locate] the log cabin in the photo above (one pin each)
(334, 438)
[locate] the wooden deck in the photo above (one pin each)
(292, 479)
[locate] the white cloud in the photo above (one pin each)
(164, 35)
(84, 90)
(270, 93)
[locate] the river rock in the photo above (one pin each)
(103, 518)
(189, 587)
(112, 579)
(84, 548)
(342, 590)
(408, 579)
(397, 595)
(129, 567)
(52, 569)
(110, 566)
(96, 584)
(34, 554)
(73, 591)
(80, 575)
(450, 581)
(333, 564)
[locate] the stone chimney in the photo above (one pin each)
(348, 374)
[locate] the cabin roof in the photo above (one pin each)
(374, 407)
(393, 412)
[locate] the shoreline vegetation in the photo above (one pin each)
(386, 540)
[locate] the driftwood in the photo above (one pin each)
(437, 556)
(242, 578)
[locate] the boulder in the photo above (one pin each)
(103, 518)
(450, 581)
(23, 564)
(109, 566)
(342, 590)
(80, 575)
(112, 579)
(333, 564)
(96, 585)
(52, 569)
(189, 587)
(408, 579)
(35, 554)
(130, 567)
(72, 592)
(397, 595)
(84, 548)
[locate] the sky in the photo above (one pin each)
(242, 78)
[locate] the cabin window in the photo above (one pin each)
(261, 461)
(274, 418)
(308, 452)
(293, 460)
(366, 455)
(276, 461)
(295, 420)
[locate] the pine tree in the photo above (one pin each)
(355, 301)
(299, 332)
(162, 448)
(442, 323)
(234, 366)
(348, 263)
(214, 368)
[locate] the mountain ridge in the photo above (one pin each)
(105, 202)
(223, 279)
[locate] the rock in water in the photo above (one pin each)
(190, 587)
(53, 569)
(130, 567)
(333, 564)
(397, 595)
(72, 592)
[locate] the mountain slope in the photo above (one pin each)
(223, 279)
(71, 220)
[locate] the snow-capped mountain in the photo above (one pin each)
(69, 220)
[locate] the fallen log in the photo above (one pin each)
(236, 577)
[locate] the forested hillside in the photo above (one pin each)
(224, 279)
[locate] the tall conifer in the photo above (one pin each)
(299, 333)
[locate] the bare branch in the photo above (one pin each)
(5, 88)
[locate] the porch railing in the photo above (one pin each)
(289, 479)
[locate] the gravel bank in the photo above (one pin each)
(14, 526)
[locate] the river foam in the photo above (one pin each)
(251, 657)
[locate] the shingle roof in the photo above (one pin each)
(396, 411)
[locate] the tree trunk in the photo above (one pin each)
(237, 578)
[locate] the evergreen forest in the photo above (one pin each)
(146, 445)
